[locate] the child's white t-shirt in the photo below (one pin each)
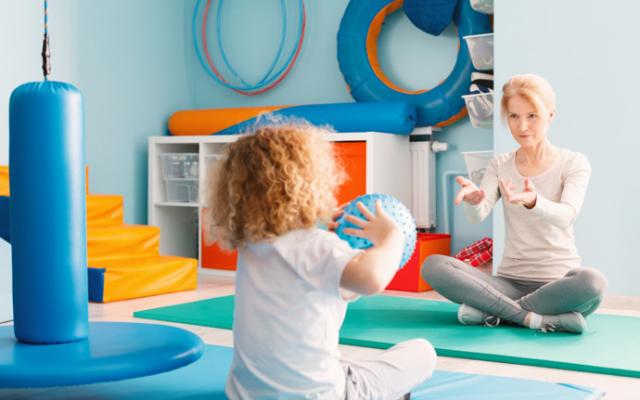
(288, 311)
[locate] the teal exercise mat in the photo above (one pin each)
(205, 380)
(609, 346)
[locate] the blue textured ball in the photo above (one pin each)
(396, 210)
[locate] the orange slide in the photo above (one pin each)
(124, 260)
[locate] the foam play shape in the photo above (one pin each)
(391, 117)
(609, 346)
(125, 241)
(48, 237)
(205, 380)
(113, 351)
(124, 260)
(104, 210)
(392, 206)
(142, 276)
(4, 180)
(51, 342)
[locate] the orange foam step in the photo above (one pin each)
(104, 210)
(122, 241)
(4, 180)
(130, 278)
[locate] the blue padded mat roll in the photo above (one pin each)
(205, 380)
(379, 116)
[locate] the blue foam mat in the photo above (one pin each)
(205, 380)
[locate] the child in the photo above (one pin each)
(294, 279)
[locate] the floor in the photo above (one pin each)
(213, 285)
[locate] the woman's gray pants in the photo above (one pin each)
(580, 290)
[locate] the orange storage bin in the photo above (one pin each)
(213, 257)
(409, 278)
(352, 156)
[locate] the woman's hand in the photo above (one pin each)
(527, 198)
(333, 225)
(469, 192)
(378, 228)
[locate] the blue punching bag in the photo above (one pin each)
(48, 213)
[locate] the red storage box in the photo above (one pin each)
(409, 278)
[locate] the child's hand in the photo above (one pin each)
(333, 225)
(469, 192)
(527, 198)
(377, 228)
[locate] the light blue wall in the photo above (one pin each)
(132, 74)
(21, 29)
(20, 45)
(410, 57)
(588, 51)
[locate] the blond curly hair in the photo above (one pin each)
(280, 178)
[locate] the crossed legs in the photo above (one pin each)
(580, 290)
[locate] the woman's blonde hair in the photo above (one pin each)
(534, 88)
(280, 178)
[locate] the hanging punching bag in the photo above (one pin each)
(48, 213)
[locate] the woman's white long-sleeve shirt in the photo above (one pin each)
(539, 242)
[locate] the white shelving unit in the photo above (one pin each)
(388, 170)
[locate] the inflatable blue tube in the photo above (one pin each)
(434, 106)
(388, 117)
(49, 245)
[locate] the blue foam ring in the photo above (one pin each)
(436, 105)
(112, 351)
(48, 210)
(396, 210)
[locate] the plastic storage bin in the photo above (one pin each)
(210, 160)
(483, 6)
(179, 165)
(182, 190)
(481, 50)
(480, 108)
(409, 278)
(477, 162)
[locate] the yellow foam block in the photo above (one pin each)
(147, 276)
(122, 241)
(104, 210)
(4, 180)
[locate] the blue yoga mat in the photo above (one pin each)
(205, 380)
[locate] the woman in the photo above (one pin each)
(539, 283)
